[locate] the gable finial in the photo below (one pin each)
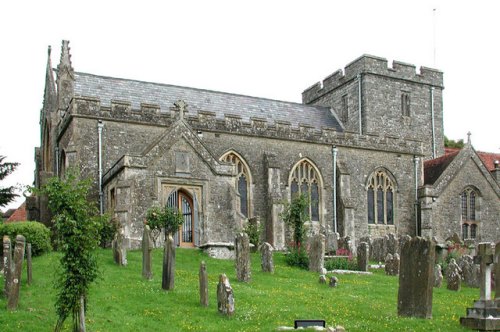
(181, 105)
(468, 137)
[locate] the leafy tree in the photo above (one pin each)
(449, 143)
(77, 225)
(7, 195)
(295, 215)
(163, 217)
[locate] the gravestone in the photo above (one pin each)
(225, 296)
(378, 251)
(242, 257)
(392, 264)
(119, 250)
(322, 279)
(29, 266)
(147, 253)
(391, 243)
(453, 275)
(334, 281)
(317, 253)
(7, 264)
(266, 257)
(438, 276)
(15, 275)
(363, 253)
(168, 272)
(470, 271)
(497, 274)
(416, 278)
(332, 239)
(485, 314)
(203, 284)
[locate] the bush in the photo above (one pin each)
(108, 231)
(35, 233)
(341, 263)
(297, 258)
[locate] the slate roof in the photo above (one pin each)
(164, 95)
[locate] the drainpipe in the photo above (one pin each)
(334, 154)
(57, 161)
(415, 165)
(360, 105)
(100, 125)
(432, 125)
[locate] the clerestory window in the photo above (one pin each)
(305, 180)
(380, 198)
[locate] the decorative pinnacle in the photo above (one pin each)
(65, 61)
(468, 137)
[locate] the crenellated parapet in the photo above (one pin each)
(369, 64)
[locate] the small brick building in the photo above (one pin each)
(356, 146)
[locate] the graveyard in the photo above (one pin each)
(123, 300)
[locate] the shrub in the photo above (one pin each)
(35, 233)
(341, 263)
(108, 231)
(297, 258)
(253, 230)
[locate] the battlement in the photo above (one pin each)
(369, 64)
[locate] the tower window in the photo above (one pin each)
(405, 103)
(345, 109)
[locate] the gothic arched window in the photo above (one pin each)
(468, 200)
(305, 180)
(380, 196)
(243, 180)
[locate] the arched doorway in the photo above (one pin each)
(182, 201)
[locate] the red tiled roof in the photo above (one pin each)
(19, 214)
(488, 159)
(435, 167)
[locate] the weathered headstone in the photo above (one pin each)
(266, 257)
(225, 296)
(7, 264)
(438, 276)
(242, 257)
(416, 278)
(470, 271)
(453, 275)
(363, 253)
(388, 264)
(203, 284)
(391, 243)
(16, 273)
(334, 281)
(168, 271)
(119, 250)
(378, 251)
(322, 279)
(317, 253)
(29, 266)
(147, 253)
(332, 239)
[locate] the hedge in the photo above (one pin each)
(35, 233)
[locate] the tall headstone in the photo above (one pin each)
(119, 250)
(242, 259)
(438, 276)
(416, 278)
(225, 296)
(363, 253)
(471, 273)
(203, 284)
(266, 257)
(317, 253)
(29, 266)
(147, 253)
(168, 272)
(7, 264)
(485, 314)
(453, 276)
(15, 275)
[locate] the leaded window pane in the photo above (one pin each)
(314, 202)
(304, 189)
(465, 231)
(464, 206)
(389, 203)
(380, 206)
(294, 188)
(472, 205)
(242, 190)
(473, 230)
(371, 206)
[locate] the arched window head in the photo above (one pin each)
(243, 180)
(380, 198)
(305, 180)
(47, 149)
(468, 200)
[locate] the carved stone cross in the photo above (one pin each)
(181, 105)
(484, 257)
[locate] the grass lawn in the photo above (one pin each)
(122, 301)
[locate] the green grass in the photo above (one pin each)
(122, 301)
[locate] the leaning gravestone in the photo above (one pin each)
(7, 264)
(147, 253)
(225, 296)
(266, 257)
(438, 276)
(453, 275)
(168, 272)
(16, 272)
(363, 253)
(242, 260)
(203, 284)
(317, 253)
(416, 278)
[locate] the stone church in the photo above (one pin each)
(366, 146)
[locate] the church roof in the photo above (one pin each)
(109, 89)
(19, 214)
(435, 167)
(489, 159)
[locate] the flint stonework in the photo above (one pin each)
(416, 278)
(242, 259)
(266, 256)
(363, 253)
(168, 272)
(317, 253)
(225, 296)
(147, 253)
(16, 273)
(203, 276)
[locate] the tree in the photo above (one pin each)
(449, 143)
(163, 217)
(8, 194)
(77, 226)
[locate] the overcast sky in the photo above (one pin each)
(271, 49)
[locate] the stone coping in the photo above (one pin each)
(350, 272)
